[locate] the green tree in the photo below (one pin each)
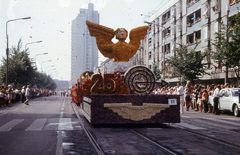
(156, 72)
(20, 68)
(188, 63)
(227, 45)
(235, 40)
(45, 81)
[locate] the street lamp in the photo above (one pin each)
(44, 62)
(7, 50)
(51, 70)
(36, 57)
(32, 43)
(163, 45)
(47, 67)
(39, 54)
(55, 72)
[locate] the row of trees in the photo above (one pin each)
(22, 70)
(189, 64)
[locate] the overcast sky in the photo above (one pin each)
(51, 23)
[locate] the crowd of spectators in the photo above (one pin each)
(196, 97)
(9, 94)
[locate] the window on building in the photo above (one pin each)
(190, 39)
(150, 55)
(198, 36)
(150, 29)
(149, 41)
(190, 20)
(168, 32)
(166, 17)
(167, 48)
(197, 16)
(82, 12)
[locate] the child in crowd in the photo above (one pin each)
(199, 102)
(209, 104)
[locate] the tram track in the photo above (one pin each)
(93, 141)
(232, 145)
(100, 151)
(165, 149)
(150, 140)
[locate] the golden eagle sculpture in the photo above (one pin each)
(120, 51)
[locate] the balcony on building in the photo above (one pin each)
(234, 5)
(194, 21)
(166, 19)
(193, 5)
(194, 39)
(166, 35)
(150, 44)
(167, 50)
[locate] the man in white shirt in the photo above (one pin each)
(180, 91)
(27, 94)
(23, 94)
(216, 95)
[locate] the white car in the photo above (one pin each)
(229, 100)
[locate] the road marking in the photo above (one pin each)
(59, 149)
(8, 126)
(61, 114)
(65, 124)
(190, 126)
(186, 116)
(37, 125)
(3, 114)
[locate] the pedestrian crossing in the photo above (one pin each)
(41, 124)
(64, 124)
(8, 126)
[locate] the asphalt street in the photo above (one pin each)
(47, 126)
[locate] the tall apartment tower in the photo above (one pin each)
(84, 51)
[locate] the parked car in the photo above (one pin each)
(229, 101)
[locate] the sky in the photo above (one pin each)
(51, 23)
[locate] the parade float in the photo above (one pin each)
(122, 95)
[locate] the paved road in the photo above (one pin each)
(47, 126)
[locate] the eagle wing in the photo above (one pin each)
(103, 36)
(136, 35)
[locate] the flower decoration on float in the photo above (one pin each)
(120, 51)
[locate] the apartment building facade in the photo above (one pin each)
(185, 22)
(84, 51)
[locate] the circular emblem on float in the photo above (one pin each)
(140, 80)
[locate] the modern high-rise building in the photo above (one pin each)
(84, 51)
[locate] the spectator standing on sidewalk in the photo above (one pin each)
(2, 95)
(216, 96)
(9, 95)
(188, 94)
(205, 100)
(180, 91)
(23, 94)
(27, 94)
